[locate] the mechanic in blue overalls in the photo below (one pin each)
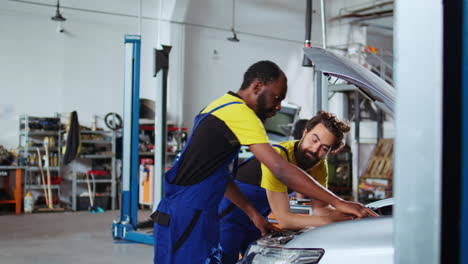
(323, 133)
(186, 228)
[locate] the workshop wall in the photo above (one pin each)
(217, 66)
(43, 71)
(272, 31)
(213, 65)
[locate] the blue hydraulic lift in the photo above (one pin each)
(126, 227)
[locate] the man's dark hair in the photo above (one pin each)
(264, 71)
(299, 128)
(330, 121)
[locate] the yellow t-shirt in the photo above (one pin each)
(269, 182)
(240, 119)
(217, 138)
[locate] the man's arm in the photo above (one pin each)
(279, 203)
(234, 194)
(320, 208)
(300, 196)
(320, 173)
(300, 181)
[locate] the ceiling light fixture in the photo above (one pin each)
(233, 28)
(58, 17)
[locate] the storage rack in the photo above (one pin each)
(377, 181)
(32, 131)
(107, 138)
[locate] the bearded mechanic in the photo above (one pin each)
(186, 224)
(322, 134)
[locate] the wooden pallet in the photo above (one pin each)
(381, 163)
(377, 180)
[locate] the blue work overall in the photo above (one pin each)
(237, 231)
(186, 228)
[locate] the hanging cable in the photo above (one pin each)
(139, 18)
(233, 23)
(158, 37)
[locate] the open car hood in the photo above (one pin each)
(369, 84)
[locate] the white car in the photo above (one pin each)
(360, 241)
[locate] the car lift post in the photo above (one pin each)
(126, 227)
(161, 63)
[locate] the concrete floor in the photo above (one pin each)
(67, 237)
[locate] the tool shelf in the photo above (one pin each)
(34, 131)
(98, 155)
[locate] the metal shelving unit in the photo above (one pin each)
(105, 139)
(32, 132)
(40, 186)
(35, 168)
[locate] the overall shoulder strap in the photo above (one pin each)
(287, 156)
(283, 149)
(203, 117)
(251, 157)
(212, 110)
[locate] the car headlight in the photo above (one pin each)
(279, 255)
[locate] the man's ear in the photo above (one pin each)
(257, 87)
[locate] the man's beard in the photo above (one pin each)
(304, 162)
(262, 111)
